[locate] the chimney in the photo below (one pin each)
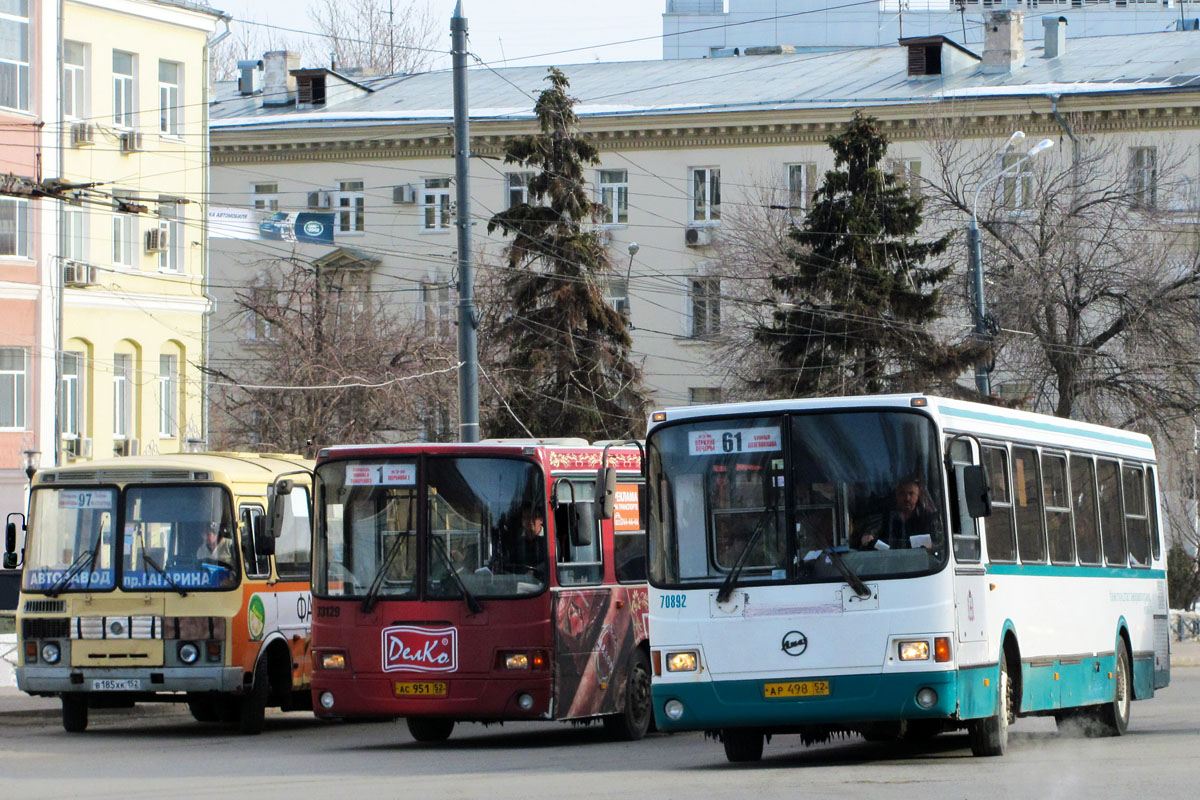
(1003, 42)
(248, 76)
(279, 85)
(1056, 36)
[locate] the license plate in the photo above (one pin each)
(791, 690)
(422, 689)
(110, 685)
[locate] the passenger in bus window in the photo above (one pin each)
(527, 551)
(912, 521)
(213, 546)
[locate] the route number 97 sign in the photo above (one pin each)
(733, 440)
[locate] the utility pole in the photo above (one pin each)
(468, 350)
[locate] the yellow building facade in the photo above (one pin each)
(132, 314)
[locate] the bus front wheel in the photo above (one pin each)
(253, 711)
(74, 713)
(742, 745)
(989, 736)
(430, 729)
(634, 720)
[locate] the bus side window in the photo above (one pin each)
(293, 549)
(256, 566)
(577, 564)
(1112, 520)
(1060, 533)
(1136, 528)
(999, 527)
(1152, 505)
(1027, 494)
(629, 533)
(964, 530)
(1083, 490)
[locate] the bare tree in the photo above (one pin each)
(330, 363)
(383, 37)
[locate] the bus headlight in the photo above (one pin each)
(333, 660)
(51, 652)
(683, 661)
(189, 652)
(914, 651)
(673, 709)
(516, 661)
(926, 697)
(326, 700)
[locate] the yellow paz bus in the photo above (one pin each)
(176, 578)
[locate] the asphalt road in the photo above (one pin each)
(160, 752)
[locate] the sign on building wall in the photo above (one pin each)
(286, 226)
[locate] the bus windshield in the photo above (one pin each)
(178, 538)
(70, 540)
(479, 523)
(776, 493)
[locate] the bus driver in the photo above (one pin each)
(912, 515)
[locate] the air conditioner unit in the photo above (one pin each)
(156, 240)
(319, 199)
(126, 447)
(77, 274)
(77, 448)
(697, 237)
(131, 142)
(82, 134)
(404, 194)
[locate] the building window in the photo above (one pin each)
(168, 396)
(263, 303)
(614, 196)
(266, 196)
(801, 182)
(169, 108)
(170, 259)
(616, 294)
(1017, 186)
(704, 395)
(908, 172)
(122, 394)
(124, 231)
(74, 234)
(1143, 177)
(706, 194)
(518, 188)
(70, 396)
(14, 365)
(705, 294)
(435, 202)
(350, 203)
(15, 236)
(14, 54)
(75, 80)
(438, 309)
(124, 89)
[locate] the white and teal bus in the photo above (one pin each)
(899, 566)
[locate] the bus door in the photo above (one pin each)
(970, 576)
(583, 606)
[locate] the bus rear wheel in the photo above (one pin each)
(430, 729)
(74, 713)
(989, 736)
(633, 722)
(742, 745)
(1112, 718)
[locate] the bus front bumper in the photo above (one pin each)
(151, 680)
(466, 699)
(853, 699)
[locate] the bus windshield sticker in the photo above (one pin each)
(85, 499)
(626, 516)
(733, 440)
(381, 474)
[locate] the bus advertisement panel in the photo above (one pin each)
(473, 582)
(899, 566)
(156, 578)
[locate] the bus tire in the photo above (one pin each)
(1112, 718)
(989, 736)
(742, 745)
(430, 729)
(633, 722)
(74, 713)
(254, 703)
(202, 709)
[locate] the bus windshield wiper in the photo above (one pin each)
(85, 559)
(372, 595)
(472, 603)
(150, 562)
(744, 555)
(855, 582)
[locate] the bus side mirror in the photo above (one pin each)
(583, 522)
(10, 538)
(264, 545)
(977, 490)
(277, 507)
(606, 492)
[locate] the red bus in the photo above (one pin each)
(475, 582)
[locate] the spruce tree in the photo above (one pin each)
(565, 356)
(855, 293)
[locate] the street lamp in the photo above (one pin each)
(975, 250)
(31, 458)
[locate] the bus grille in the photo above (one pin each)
(144, 627)
(44, 628)
(44, 606)
(126, 476)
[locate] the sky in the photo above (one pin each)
(503, 31)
